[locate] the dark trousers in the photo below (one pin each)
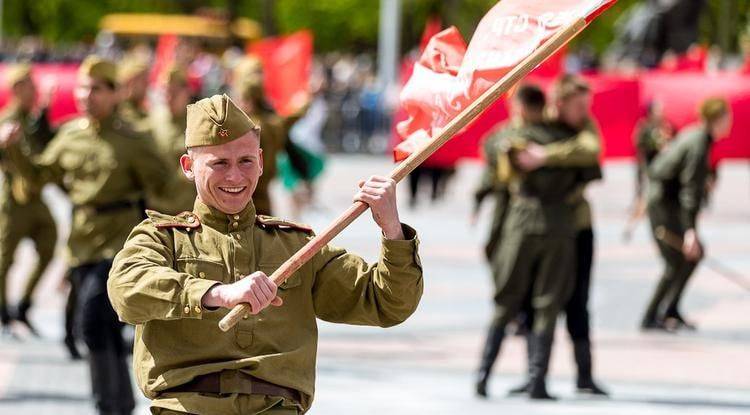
(666, 298)
(101, 330)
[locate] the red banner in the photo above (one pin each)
(287, 63)
(449, 76)
(60, 79)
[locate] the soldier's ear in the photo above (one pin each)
(186, 162)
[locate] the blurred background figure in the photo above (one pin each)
(132, 77)
(23, 214)
(678, 184)
(168, 128)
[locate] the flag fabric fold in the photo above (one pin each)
(449, 75)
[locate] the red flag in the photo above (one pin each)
(449, 77)
(163, 56)
(431, 28)
(287, 62)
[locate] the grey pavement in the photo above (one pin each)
(426, 365)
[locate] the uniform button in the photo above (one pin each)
(197, 309)
(238, 236)
(191, 219)
(202, 274)
(187, 309)
(245, 317)
(235, 224)
(236, 217)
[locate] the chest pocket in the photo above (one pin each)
(294, 281)
(208, 269)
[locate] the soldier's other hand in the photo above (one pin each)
(380, 194)
(256, 289)
(10, 133)
(530, 158)
(691, 246)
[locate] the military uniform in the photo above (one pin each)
(535, 255)
(649, 140)
(266, 363)
(22, 212)
(676, 191)
(130, 110)
(169, 135)
(133, 114)
(104, 166)
(582, 153)
(489, 185)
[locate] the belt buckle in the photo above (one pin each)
(231, 381)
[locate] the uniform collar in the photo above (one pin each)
(223, 222)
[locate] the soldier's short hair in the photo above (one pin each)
(531, 97)
(712, 109)
(569, 86)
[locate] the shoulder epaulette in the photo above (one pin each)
(186, 220)
(273, 222)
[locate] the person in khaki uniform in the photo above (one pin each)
(177, 276)
(132, 79)
(677, 189)
(527, 107)
(104, 166)
(247, 89)
(23, 214)
(168, 128)
(579, 149)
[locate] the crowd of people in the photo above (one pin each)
(541, 241)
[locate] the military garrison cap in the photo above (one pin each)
(97, 67)
(16, 73)
(216, 120)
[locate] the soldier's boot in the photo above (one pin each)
(524, 387)
(651, 321)
(539, 364)
(4, 320)
(22, 316)
(112, 395)
(489, 355)
(585, 383)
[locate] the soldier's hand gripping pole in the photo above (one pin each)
(560, 39)
(675, 241)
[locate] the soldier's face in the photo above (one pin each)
(95, 97)
(575, 110)
(226, 175)
(25, 92)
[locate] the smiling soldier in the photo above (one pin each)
(177, 276)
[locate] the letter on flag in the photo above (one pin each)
(449, 76)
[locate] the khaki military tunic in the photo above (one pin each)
(169, 137)
(535, 255)
(489, 185)
(133, 114)
(168, 263)
(23, 213)
(104, 168)
(582, 152)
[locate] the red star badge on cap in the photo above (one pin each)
(224, 132)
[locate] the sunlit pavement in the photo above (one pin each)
(426, 365)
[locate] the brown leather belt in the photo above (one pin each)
(234, 381)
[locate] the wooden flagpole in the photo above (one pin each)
(552, 45)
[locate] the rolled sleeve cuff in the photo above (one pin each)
(192, 296)
(401, 251)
